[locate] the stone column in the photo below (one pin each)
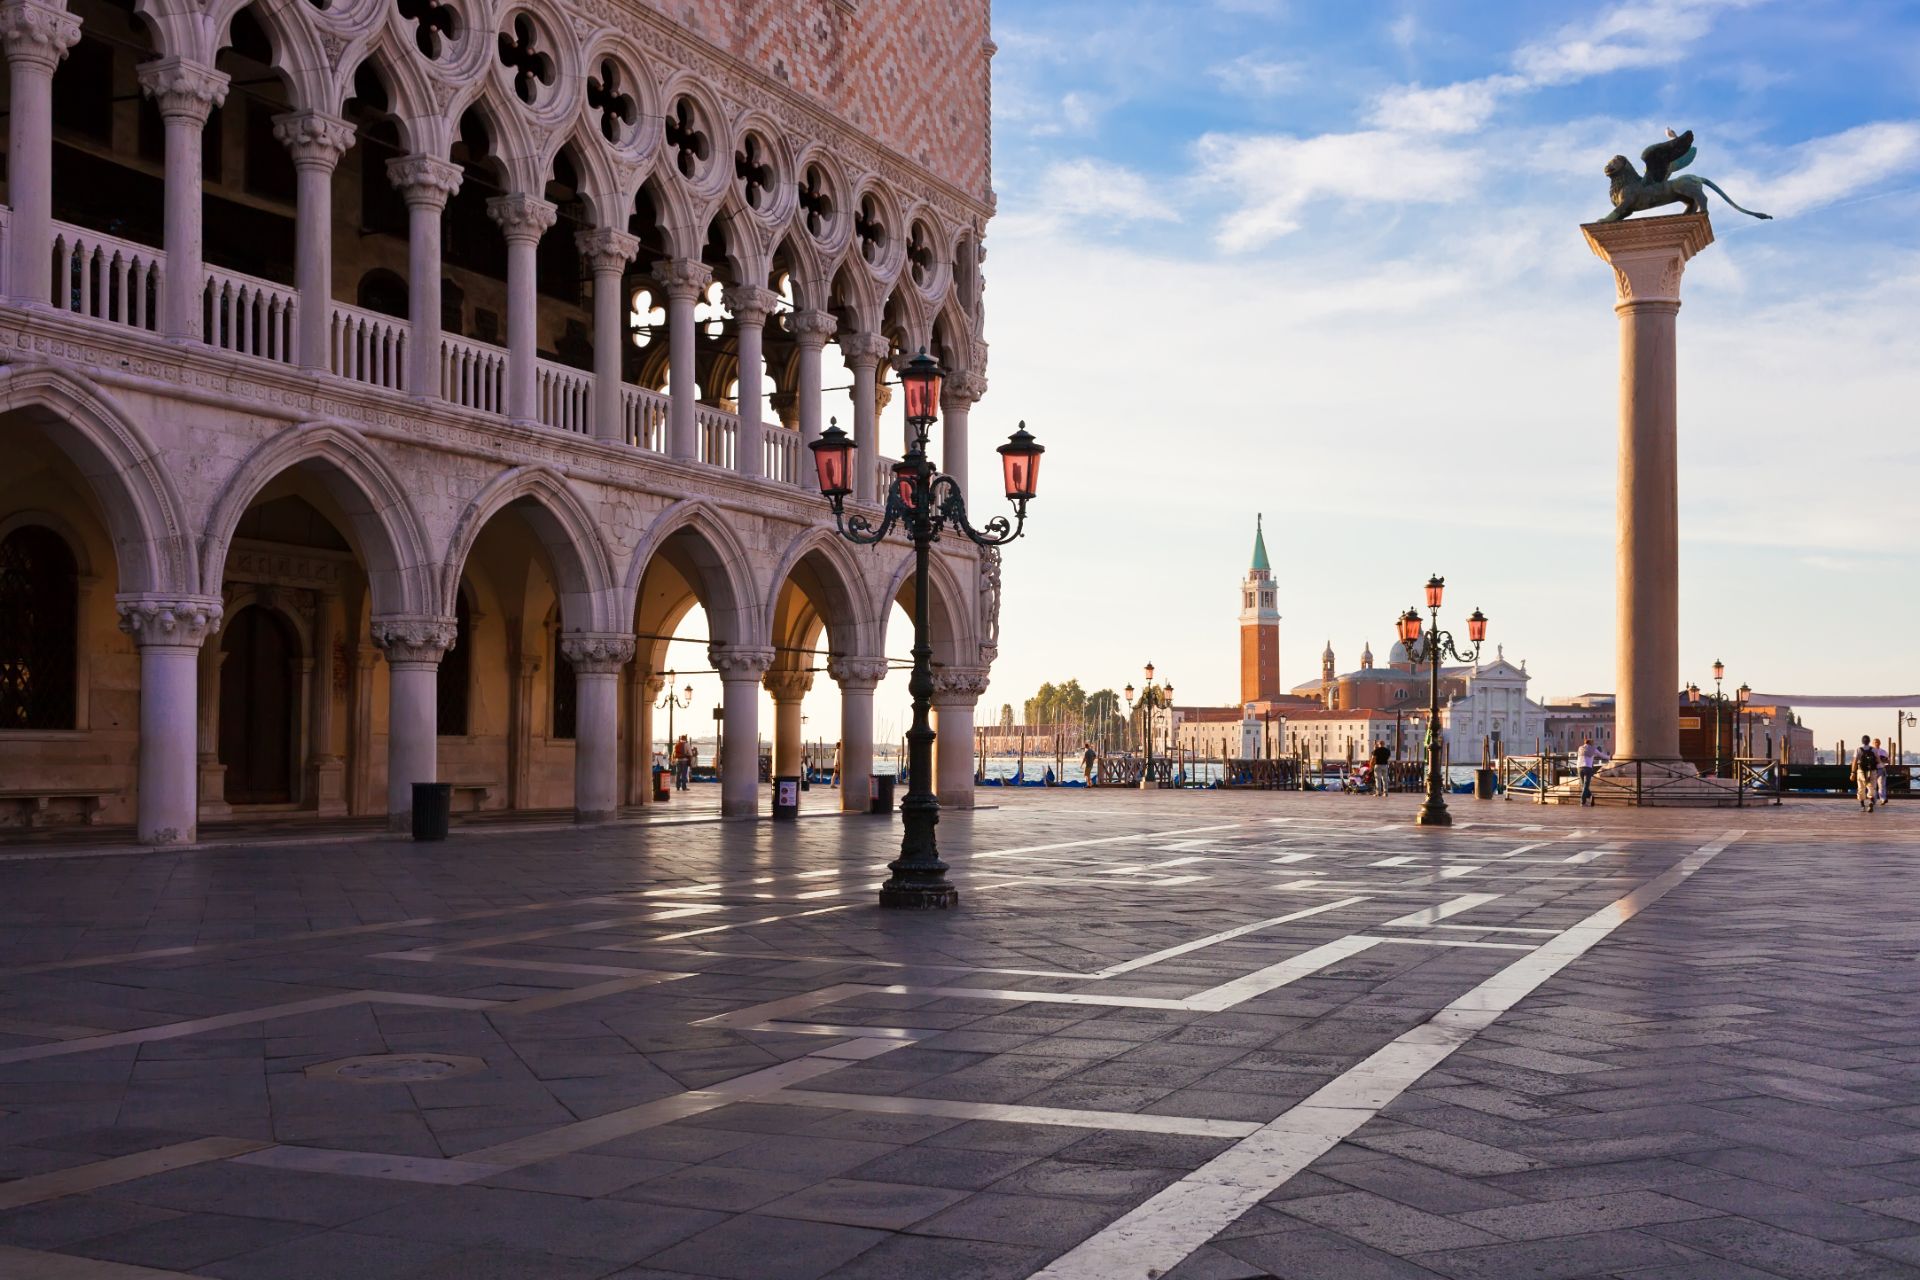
(426, 183)
(955, 691)
(597, 659)
(316, 141)
(646, 690)
(523, 220)
(186, 95)
(213, 774)
(957, 396)
(750, 307)
(37, 37)
(413, 647)
(1648, 256)
(810, 330)
(856, 678)
(169, 632)
(788, 688)
(740, 668)
(360, 730)
(683, 280)
(606, 252)
(863, 353)
(326, 781)
(522, 670)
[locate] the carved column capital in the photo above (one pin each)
(857, 674)
(176, 622)
(1648, 255)
(740, 661)
(597, 653)
(961, 390)
(863, 349)
(750, 304)
(788, 685)
(606, 248)
(37, 35)
(521, 216)
(811, 329)
(314, 139)
(413, 641)
(183, 90)
(652, 684)
(958, 686)
(424, 181)
(682, 278)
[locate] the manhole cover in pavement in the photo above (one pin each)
(397, 1068)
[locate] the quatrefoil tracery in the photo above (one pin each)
(434, 25)
(871, 230)
(816, 202)
(756, 175)
(532, 69)
(616, 108)
(920, 255)
(691, 144)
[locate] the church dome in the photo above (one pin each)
(1398, 655)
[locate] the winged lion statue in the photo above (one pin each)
(1633, 192)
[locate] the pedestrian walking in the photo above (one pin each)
(1880, 774)
(1087, 761)
(1382, 768)
(835, 779)
(1589, 761)
(1866, 770)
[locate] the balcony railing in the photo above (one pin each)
(106, 278)
(643, 415)
(717, 434)
(473, 375)
(369, 347)
(781, 455)
(248, 316)
(565, 397)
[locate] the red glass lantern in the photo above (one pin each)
(1435, 586)
(1693, 693)
(1409, 626)
(1743, 693)
(1476, 626)
(1719, 669)
(1149, 673)
(833, 459)
(688, 693)
(1129, 694)
(1020, 458)
(903, 478)
(920, 381)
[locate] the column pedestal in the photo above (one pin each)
(740, 668)
(169, 633)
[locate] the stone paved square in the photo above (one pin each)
(1192, 1036)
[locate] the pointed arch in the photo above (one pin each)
(382, 522)
(725, 569)
(795, 252)
(904, 319)
(511, 143)
(423, 131)
(850, 621)
(297, 54)
(748, 254)
(565, 527)
(951, 615)
(153, 545)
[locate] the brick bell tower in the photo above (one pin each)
(1259, 627)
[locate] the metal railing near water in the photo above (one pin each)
(106, 278)
(368, 347)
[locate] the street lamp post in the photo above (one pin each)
(1742, 724)
(1432, 649)
(671, 702)
(1151, 697)
(924, 504)
(1719, 673)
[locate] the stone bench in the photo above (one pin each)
(480, 791)
(52, 806)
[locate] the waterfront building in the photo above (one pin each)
(384, 382)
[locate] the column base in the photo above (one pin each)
(919, 897)
(401, 822)
(585, 818)
(1665, 784)
(327, 784)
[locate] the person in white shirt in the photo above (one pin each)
(1880, 774)
(1589, 760)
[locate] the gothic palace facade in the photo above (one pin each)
(385, 379)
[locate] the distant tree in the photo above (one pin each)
(1006, 717)
(1057, 704)
(1105, 719)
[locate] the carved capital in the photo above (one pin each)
(682, 278)
(811, 329)
(176, 622)
(867, 349)
(958, 686)
(606, 248)
(788, 685)
(521, 216)
(424, 181)
(183, 90)
(739, 661)
(750, 304)
(962, 390)
(857, 674)
(1649, 255)
(652, 684)
(413, 641)
(37, 35)
(596, 653)
(314, 139)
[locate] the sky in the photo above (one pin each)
(1322, 261)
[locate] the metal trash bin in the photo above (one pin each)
(880, 793)
(432, 810)
(662, 778)
(786, 799)
(1483, 784)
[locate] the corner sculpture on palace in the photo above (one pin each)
(1633, 193)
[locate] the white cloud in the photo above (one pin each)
(1252, 74)
(1087, 188)
(1460, 107)
(1839, 167)
(1277, 177)
(1405, 31)
(1646, 33)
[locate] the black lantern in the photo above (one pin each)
(833, 459)
(1719, 669)
(920, 380)
(1020, 458)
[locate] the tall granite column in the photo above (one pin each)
(1648, 256)
(169, 632)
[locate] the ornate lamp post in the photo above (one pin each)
(1719, 674)
(672, 701)
(1743, 723)
(1432, 649)
(925, 504)
(1151, 697)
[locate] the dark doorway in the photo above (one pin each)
(256, 707)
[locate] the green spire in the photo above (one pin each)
(1260, 547)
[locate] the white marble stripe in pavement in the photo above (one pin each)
(1159, 1234)
(1014, 1113)
(1435, 914)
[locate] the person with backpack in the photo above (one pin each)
(1866, 773)
(1087, 761)
(1382, 771)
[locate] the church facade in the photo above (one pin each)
(383, 383)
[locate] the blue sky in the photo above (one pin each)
(1322, 261)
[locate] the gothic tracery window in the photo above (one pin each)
(39, 618)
